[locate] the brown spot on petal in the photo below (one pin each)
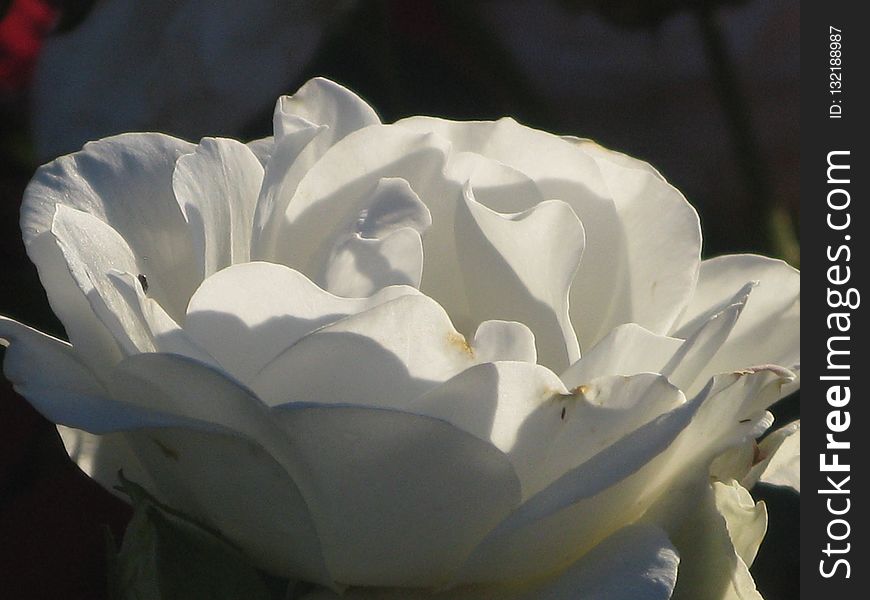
(580, 390)
(457, 340)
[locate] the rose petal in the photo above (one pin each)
(710, 565)
(93, 250)
(397, 351)
(629, 273)
(165, 334)
(621, 482)
(520, 267)
(662, 269)
(768, 331)
(504, 340)
(103, 456)
(176, 385)
(690, 368)
(49, 374)
(262, 512)
(400, 463)
(307, 125)
(262, 149)
(630, 349)
(382, 247)
(492, 401)
(746, 520)
(282, 174)
(231, 433)
(217, 187)
(333, 193)
(264, 309)
(552, 529)
(524, 410)
(398, 498)
(627, 350)
(35, 361)
(93, 341)
(781, 462)
(637, 562)
(324, 102)
(126, 182)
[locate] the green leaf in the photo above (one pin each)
(166, 555)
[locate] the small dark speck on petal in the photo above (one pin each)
(143, 281)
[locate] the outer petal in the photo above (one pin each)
(43, 369)
(247, 314)
(746, 520)
(92, 251)
(125, 181)
(620, 483)
(262, 510)
(166, 335)
(398, 498)
(94, 343)
(780, 454)
(49, 374)
(178, 385)
(101, 457)
(631, 349)
(103, 266)
(377, 481)
(217, 188)
(768, 331)
(711, 566)
(637, 563)
(627, 350)
(546, 430)
(232, 433)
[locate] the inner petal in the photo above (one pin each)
(381, 245)
(247, 314)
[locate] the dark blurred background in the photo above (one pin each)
(706, 91)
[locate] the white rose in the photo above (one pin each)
(256, 337)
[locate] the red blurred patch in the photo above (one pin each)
(22, 30)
